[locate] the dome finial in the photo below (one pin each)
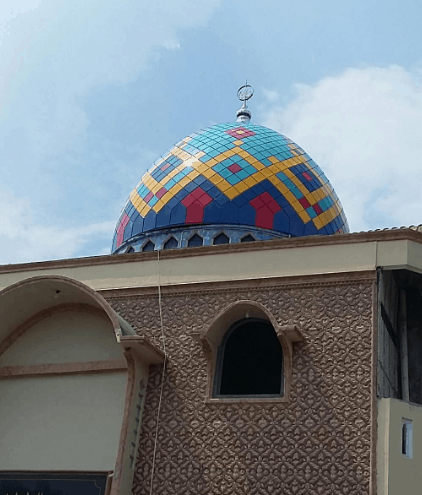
(244, 93)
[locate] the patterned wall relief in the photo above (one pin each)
(318, 443)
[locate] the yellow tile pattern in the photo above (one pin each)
(232, 191)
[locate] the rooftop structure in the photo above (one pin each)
(229, 183)
(195, 362)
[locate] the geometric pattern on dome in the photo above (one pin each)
(236, 173)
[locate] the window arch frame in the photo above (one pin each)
(210, 338)
(218, 373)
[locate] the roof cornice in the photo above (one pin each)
(285, 243)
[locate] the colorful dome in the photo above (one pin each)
(230, 176)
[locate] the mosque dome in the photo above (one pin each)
(231, 182)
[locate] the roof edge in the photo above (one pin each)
(286, 243)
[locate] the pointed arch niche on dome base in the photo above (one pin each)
(211, 338)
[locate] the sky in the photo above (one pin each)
(92, 93)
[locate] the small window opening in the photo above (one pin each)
(249, 362)
(149, 246)
(221, 239)
(407, 439)
(130, 250)
(195, 241)
(248, 238)
(171, 243)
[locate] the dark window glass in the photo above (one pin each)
(149, 246)
(247, 238)
(221, 239)
(195, 241)
(249, 361)
(403, 439)
(171, 243)
(130, 250)
(53, 484)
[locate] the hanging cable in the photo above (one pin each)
(163, 338)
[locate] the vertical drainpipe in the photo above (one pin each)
(403, 347)
(379, 290)
(374, 462)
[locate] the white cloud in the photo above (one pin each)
(23, 239)
(364, 129)
(52, 54)
(271, 96)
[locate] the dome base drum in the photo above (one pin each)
(205, 235)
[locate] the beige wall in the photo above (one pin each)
(63, 338)
(284, 260)
(67, 422)
(398, 474)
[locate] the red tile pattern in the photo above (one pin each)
(121, 229)
(240, 132)
(234, 168)
(195, 203)
(266, 207)
(161, 192)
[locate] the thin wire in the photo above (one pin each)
(163, 337)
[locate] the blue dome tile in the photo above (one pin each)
(190, 187)
(231, 213)
(212, 191)
(178, 215)
(282, 222)
(200, 180)
(163, 217)
(310, 229)
(207, 186)
(172, 203)
(246, 214)
(296, 226)
(128, 231)
(222, 199)
(240, 201)
(138, 225)
(212, 213)
(150, 221)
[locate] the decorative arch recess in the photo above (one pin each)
(24, 304)
(212, 337)
(29, 300)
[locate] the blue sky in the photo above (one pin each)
(93, 92)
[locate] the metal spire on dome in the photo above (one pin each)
(244, 93)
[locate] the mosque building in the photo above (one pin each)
(238, 340)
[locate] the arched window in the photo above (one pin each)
(149, 246)
(221, 239)
(249, 361)
(195, 241)
(171, 243)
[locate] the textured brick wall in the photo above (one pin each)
(318, 443)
